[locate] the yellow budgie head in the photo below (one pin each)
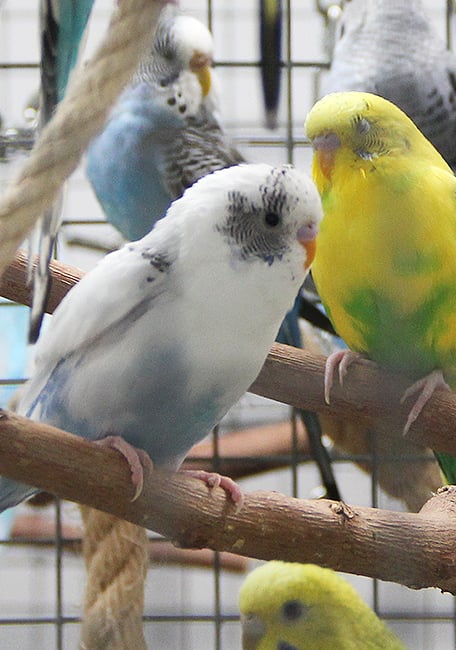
(291, 606)
(362, 131)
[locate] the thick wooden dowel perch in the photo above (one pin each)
(295, 376)
(418, 550)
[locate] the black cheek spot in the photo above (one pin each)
(171, 101)
(182, 108)
(283, 645)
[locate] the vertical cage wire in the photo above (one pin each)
(186, 606)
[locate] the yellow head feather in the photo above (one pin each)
(363, 129)
(303, 606)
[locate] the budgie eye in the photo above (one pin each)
(292, 610)
(167, 53)
(271, 219)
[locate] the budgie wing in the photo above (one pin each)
(121, 287)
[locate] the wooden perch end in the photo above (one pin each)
(417, 550)
(13, 282)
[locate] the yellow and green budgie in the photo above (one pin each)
(291, 606)
(385, 266)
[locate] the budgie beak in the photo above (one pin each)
(253, 630)
(200, 64)
(306, 236)
(325, 147)
(310, 248)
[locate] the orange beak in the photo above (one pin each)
(200, 64)
(310, 248)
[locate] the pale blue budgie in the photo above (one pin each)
(159, 340)
(390, 48)
(163, 133)
(62, 25)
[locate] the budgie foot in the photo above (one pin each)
(214, 480)
(426, 387)
(137, 459)
(341, 359)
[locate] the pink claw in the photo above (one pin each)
(214, 480)
(137, 459)
(341, 359)
(426, 387)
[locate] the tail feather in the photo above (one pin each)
(13, 493)
(290, 334)
(448, 466)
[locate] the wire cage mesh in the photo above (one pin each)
(188, 605)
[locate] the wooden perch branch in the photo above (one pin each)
(249, 451)
(418, 550)
(13, 282)
(295, 376)
(31, 526)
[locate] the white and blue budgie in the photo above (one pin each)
(155, 344)
(62, 26)
(163, 133)
(390, 48)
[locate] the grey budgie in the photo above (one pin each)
(390, 48)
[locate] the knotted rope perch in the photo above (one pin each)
(116, 556)
(115, 550)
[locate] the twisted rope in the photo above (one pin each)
(81, 114)
(116, 557)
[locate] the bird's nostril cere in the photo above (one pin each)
(308, 232)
